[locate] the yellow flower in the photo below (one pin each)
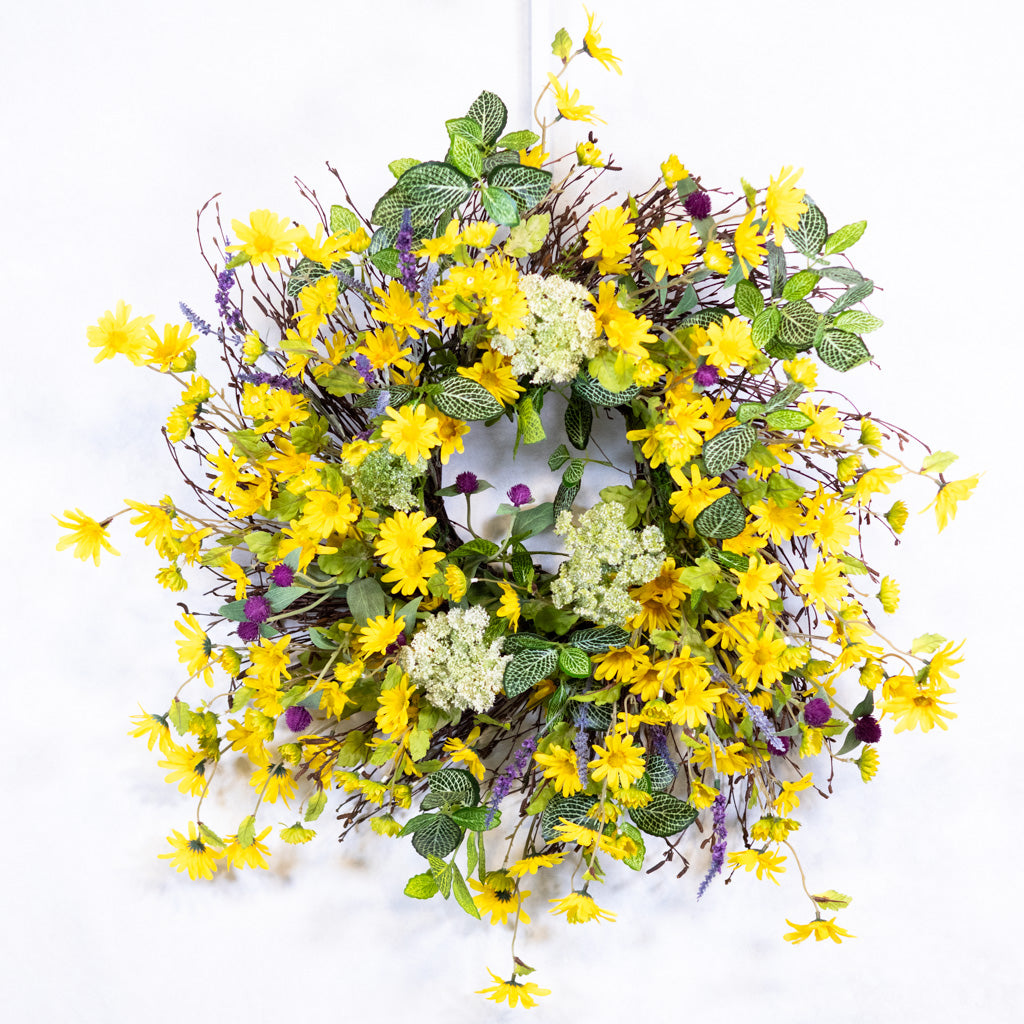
(512, 990)
(443, 245)
(766, 864)
(560, 765)
(587, 154)
(868, 763)
(382, 349)
(889, 594)
(749, 243)
(265, 237)
(728, 344)
(716, 258)
(509, 608)
(754, 585)
(114, 334)
(461, 752)
(608, 236)
(395, 706)
(380, 633)
(916, 706)
(673, 246)
(494, 372)
(949, 495)
(325, 513)
(672, 170)
(499, 897)
(402, 536)
(251, 856)
(192, 854)
(897, 516)
(195, 649)
(783, 204)
(824, 586)
(295, 834)
(152, 728)
(456, 582)
(788, 800)
(819, 929)
(569, 106)
(532, 864)
(173, 350)
(619, 761)
(579, 908)
(396, 307)
(411, 432)
(535, 157)
(479, 233)
(803, 371)
(592, 44)
(772, 828)
(187, 768)
(88, 536)
(273, 781)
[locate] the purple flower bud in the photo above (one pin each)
(364, 368)
(706, 375)
(257, 609)
(519, 495)
(867, 730)
(697, 205)
(817, 712)
(400, 641)
(248, 631)
(466, 482)
(778, 744)
(297, 718)
(282, 575)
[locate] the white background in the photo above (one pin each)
(120, 120)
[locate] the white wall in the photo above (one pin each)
(120, 119)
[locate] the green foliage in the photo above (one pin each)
(748, 298)
(810, 233)
(728, 448)
(844, 237)
(725, 517)
(491, 114)
(587, 388)
(528, 667)
(451, 786)
(665, 815)
(366, 600)
(464, 399)
(573, 662)
(842, 351)
(528, 236)
(579, 419)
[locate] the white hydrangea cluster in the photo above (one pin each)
(450, 661)
(606, 558)
(557, 335)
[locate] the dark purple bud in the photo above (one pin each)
(257, 609)
(697, 205)
(867, 730)
(466, 482)
(817, 712)
(400, 642)
(519, 495)
(706, 375)
(778, 744)
(248, 631)
(297, 718)
(282, 575)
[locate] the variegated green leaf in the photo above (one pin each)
(574, 809)
(565, 496)
(574, 471)
(799, 322)
(723, 518)
(750, 411)
(529, 425)
(660, 771)
(386, 261)
(430, 188)
(586, 387)
(527, 668)
(800, 285)
(776, 268)
(516, 642)
(810, 233)
(518, 140)
(705, 317)
(748, 298)
(856, 321)
(306, 272)
(500, 206)
(573, 662)
(491, 114)
(599, 639)
(464, 399)
(784, 396)
(788, 419)
(343, 219)
(779, 349)
(844, 275)
(558, 458)
(856, 293)
(842, 351)
(844, 237)
(527, 185)
(522, 566)
(467, 157)
(579, 418)
(726, 449)
(465, 128)
(636, 862)
(437, 838)
(451, 786)
(765, 326)
(665, 815)
(502, 156)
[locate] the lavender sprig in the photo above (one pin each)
(406, 260)
(275, 380)
(776, 743)
(195, 320)
(503, 784)
(718, 847)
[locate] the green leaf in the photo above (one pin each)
(665, 815)
(248, 443)
(498, 157)
(490, 113)
(728, 448)
(686, 302)
(527, 185)
(522, 566)
(472, 856)
(800, 284)
(558, 458)
(464, 399)
(519, 140)
(574, 809)
(599, 639)
(660, 771)
(810, 233)
(586, 387)
(842, 351)
(366, 600)
(547, 617)
(927, 643)
(348, 563)
(750, 411)
(748, 298)
(776, 267)
(832, 900)
(722, 519)
(856, 321)
(798, 325)
(938, 462)
(844, 237)
(574, 471)
(386, 261)
(238, 260)
(564, 497)
(573, 662)
(397, 168)
(579, 418)
(343, 219)
(306, 272)
(528, 236)
(464, 128)
(421, 887)
(461, 893)
(562, 45)
(431, 188)
(765, 326)
(280, 598)
(788, 419)
(476, 546)
(865, 707)
(343, 380)
(246, 834)
(783, 490)
(180, 716)
(635, 499)
(389, 209)
(451, 786)
(853, 295)
(844, 275)
(500, 206)
(442, 872)
(703, 575)
(414, 823)
(529, 424)
(705, 317)
(516, 642)
(467, 157)
(475, 818)
(527, 668)
(636, 862)
(531, 521)
(315, 806)
(784, 396)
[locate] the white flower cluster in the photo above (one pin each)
(449, 659)
(606, 558)
(557, 334)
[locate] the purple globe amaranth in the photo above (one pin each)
(248, 631)
(282, 575)
(867, 729)
(297, 718)
(697, 205)
(817, 712)
(257, 609)
(519, 495)
(466, 482)
(706, 375)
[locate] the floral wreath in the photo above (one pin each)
(704, 652)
